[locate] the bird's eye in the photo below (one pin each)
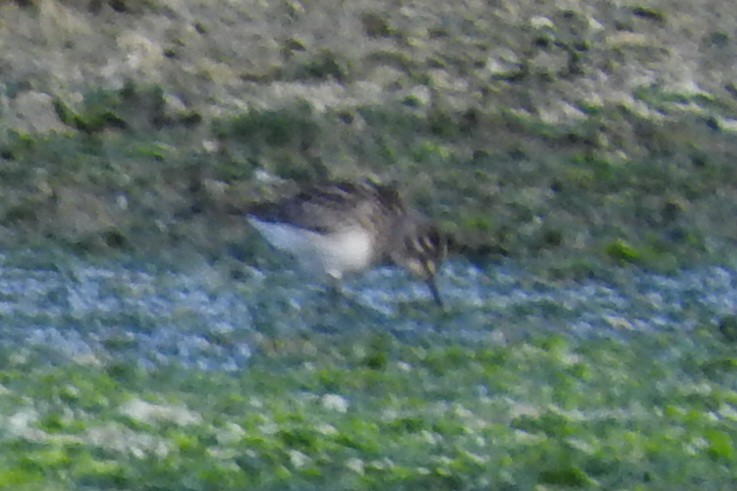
(434, 236)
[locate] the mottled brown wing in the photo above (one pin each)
(332, 206)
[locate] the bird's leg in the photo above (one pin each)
(335, 287)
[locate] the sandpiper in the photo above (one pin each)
(342, 227)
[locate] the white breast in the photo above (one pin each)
(334, 254)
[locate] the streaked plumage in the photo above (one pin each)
(342, 227)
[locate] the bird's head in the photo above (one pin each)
(421, 248)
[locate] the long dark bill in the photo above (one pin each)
(432, 283)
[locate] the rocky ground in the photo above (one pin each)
(603, 128)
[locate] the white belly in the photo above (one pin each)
(334, 254)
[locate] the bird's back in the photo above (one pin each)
(336, 206)
(336, 227)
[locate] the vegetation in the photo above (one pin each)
(372, 412)
(133, 173)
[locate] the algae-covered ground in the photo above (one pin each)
(370, 412)
(575, 141)
(120, 373)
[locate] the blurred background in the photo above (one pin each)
(603, 128)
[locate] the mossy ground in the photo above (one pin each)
(368, 411)
(136, 175)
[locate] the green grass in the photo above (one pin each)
(371, 412)
(135, 172)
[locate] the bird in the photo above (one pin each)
(337, 228)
